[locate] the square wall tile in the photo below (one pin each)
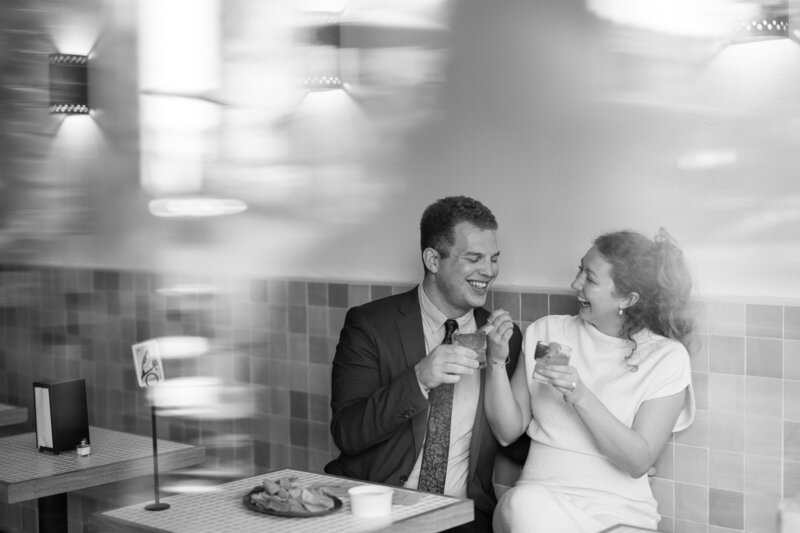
(664, 493)
(791, 477)
(297, 319)
(762, 475)
(298, 292)
(791, 359)
(764, 357)
(317, 317)
(726, 432)
(791, 400)
(319, 379)
(357, 295)
(691, 502)
(278, 291)
(510, 301)
(336, 319)
(298, 404)
(320, 349)
(665, 464)
(726, 470)
(762, 436)
(791, 323)
(563, 304)
(298, 376)
(764, 321)
(700, 317)
(725, 393)
(791, 441)
(338, 295)
(700, 387)
(726, 354)
(763, 396)
(667, 524)
(533, 306)
(380, 291)
(691, 464)
(697, 433)
(760, 513)
(699, 357)
(726, 319)
(317, 294)
(319, 407)
(725, 508)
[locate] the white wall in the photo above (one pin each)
(564, 126)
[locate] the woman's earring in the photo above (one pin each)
(620, 312)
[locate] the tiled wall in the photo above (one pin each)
(272, 344)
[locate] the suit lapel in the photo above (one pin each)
(412, 341)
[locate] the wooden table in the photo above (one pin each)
(223, 510)
(10, 414)
(27, 474)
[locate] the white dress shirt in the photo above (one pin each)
(465, 402)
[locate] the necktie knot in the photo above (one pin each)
(450, 326)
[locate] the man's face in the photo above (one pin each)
(462, 279)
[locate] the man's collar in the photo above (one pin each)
(435, 317)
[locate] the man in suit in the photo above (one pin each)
(390, 359)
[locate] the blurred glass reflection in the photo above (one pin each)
(182, 347)
(204, 398)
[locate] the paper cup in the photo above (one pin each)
(371, 500)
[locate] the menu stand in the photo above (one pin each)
(157, 506)
(150, 371)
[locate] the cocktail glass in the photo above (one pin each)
(550, 354)
(474, 341)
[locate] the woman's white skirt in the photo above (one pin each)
(564, 491)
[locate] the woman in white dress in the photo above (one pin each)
(598, 423)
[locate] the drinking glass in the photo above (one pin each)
(550, 354)
(474, 341)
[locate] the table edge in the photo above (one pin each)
(77, 480)
(419, 523)
(13, 415)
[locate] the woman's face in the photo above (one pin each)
(597, 294)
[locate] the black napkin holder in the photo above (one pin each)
(62, 418)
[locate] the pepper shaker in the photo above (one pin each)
(84, 448)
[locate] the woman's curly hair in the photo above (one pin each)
(656, 270)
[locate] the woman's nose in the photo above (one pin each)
(577, 283)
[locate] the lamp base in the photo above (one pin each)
(156, 506)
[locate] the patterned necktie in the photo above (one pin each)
(437, 442)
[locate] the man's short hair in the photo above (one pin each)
(441, 217)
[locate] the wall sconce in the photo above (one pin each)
(322, 39)
(770, 21)
(69, 89)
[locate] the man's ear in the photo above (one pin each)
(430, 258)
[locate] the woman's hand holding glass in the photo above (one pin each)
(552, 367)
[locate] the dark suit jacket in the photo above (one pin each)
(380, 414)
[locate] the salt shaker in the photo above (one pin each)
(84, 449)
